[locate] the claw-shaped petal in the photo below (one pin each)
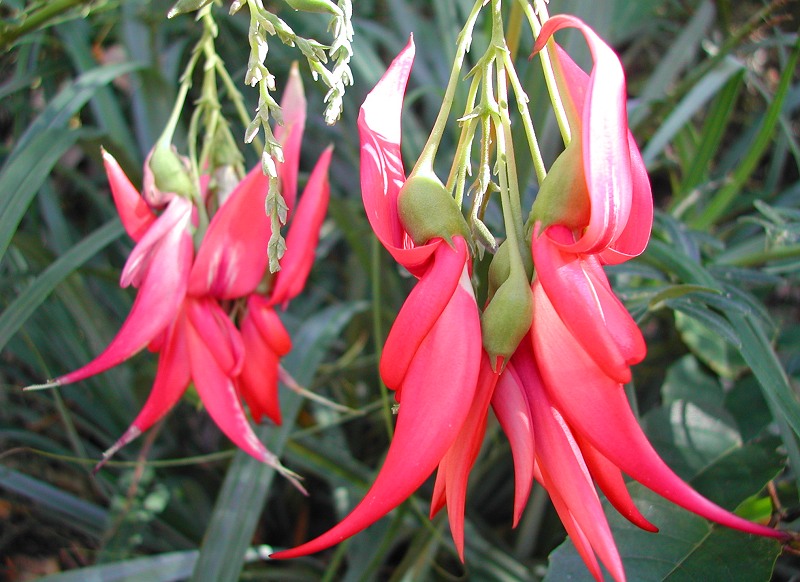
(134, 212)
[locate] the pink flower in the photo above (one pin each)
(177, 310)
(434, 377)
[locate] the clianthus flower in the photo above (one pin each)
(178, 310)
(594, 208)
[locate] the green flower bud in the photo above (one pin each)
(563, 197)
(500, 267)
(428, 211)
(507, 318)
(170, 172)
(322, 6)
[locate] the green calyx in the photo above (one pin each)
(563, 197)
(500, 267)
(507, 317)
(170, 173)
(428, 211)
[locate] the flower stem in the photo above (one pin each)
(425, 162)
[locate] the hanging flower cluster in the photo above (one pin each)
(551, 349)
(210, 312)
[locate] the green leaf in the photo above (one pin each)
(57, 503)
(159, 568)
(18, 311)
(247, 482)
(687, 548)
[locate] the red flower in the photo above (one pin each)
(177, 311)
(435, 378)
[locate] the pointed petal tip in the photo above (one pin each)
(132, 433)
(54, 383)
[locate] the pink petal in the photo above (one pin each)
(597, 408)
(382, 173)
(588, 308)
(633, 239)
(301, 242)
(610, 480)
(233, 258)
(173, 221)
(437, 394)
(460, 458)
(563, 469)
(265, 342)
(135, 214)
(157, 302)
(221, 337)
(510, 404)
(171, 380)
(421, 311)
(290, 134)
(218, 393)
(604, 136)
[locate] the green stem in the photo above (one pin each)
(377, 330)
(425, 162)
(38, 19)
(546, 55)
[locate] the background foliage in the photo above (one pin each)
(714, 105)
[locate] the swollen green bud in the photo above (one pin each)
(170, 173)
(500, 267)
(315, 6)
(507, 318)
(428, 211)
(563, 197)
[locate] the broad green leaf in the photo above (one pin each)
(687, 548)
(711, 338)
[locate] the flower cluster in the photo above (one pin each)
(189, 302)
(551, 355)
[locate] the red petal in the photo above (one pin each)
(421, 310)
(598, 409)
(460, 458)
(258, 380)
(437, 393)
(609, 479)
(221, 337)
(563, 470)
(269, 324)
(290, 135)
(382, 173)
(592, 313)
(233, 258)
(157, 302)
(600, 100)
(217, 391)
(301, 242)
(510, 404)
(135, 214)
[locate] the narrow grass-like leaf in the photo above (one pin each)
(15, 315)
(721, 201)
(676, 59)
(159, 568)
(694, 101)
(247, 482)
(64, 506)
(712, 134)
(23, 175)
